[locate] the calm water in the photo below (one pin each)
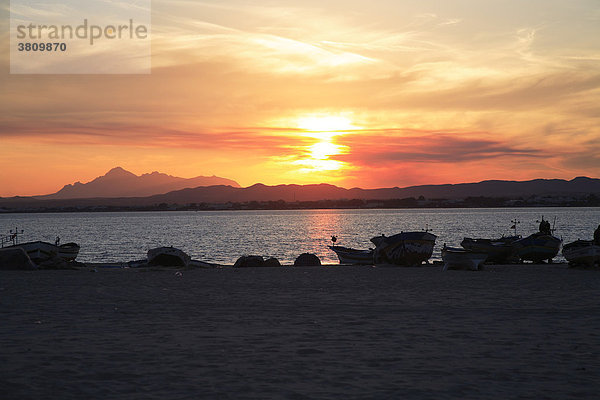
(223, 236)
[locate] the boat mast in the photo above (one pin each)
(12, 237)
(514, 226)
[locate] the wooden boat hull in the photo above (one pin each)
(347, 255)
(501, 250)
(455, 258)
(582, 252)
(406, 248)
(538, 247)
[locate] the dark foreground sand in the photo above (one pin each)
(336, 333)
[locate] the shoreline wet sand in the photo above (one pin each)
(520, 331)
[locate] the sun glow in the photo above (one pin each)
(323, 128)
(318, 158)
(322, 150)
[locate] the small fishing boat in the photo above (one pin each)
(68, 251)
(538, 247)
(457, 258)
(353, 256)
(405, 248)
(39, 251)
(168, 257)
(499, 251)
(582, 252)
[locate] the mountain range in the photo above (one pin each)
(291, 193)
(121, 183)
(120, 188)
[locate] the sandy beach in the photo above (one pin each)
(301, 333)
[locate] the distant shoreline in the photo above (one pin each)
(400, 204)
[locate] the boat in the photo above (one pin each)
(459, 258)
(499, 251)
(68, 251)
(168, 257)
(353, 256)
(582, 252)
(39, 251)
(405, 248)
(538, 247)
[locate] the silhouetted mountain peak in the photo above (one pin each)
(582, 179)
(119, 182)
(119, 172)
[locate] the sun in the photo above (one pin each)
(318, 159)
(324, 129)
(322, 150)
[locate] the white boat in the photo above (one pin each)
(168, 257)
(457, 258)
(68, 251)
(353, 256)
(39, 251)
(582, 252)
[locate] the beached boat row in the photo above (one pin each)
(414, 248)
(403, 249)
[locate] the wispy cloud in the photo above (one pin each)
(368, 149)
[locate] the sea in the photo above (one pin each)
(223, 236)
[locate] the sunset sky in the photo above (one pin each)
(376, 93)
